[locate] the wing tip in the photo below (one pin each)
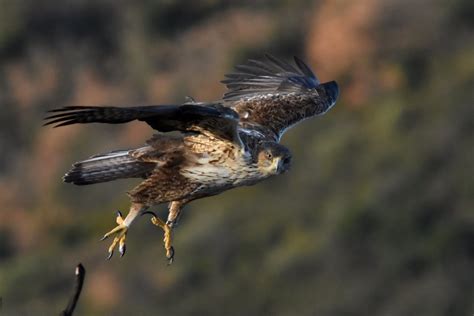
(332, 91)
(268, 74)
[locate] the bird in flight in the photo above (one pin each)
(221, 145)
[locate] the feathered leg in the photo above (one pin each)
(122, 228)
(174, 212)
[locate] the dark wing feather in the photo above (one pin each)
(201, 117)
(115, 165)
(276, 95)
(271, 75)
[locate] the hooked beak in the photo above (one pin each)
(279, 163)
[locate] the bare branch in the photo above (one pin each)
(80, 275)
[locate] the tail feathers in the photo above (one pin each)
(107, 167)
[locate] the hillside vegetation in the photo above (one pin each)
(376, 216)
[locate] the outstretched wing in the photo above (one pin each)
(259, 77)
(211, 118)
(276, 94)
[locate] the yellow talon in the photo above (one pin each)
(121, 231)
(167, 237)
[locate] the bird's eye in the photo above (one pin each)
(269, 155)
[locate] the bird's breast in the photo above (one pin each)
(218, 172)
(218, 166)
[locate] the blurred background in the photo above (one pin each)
(376, 216)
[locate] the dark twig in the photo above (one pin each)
(80, 274)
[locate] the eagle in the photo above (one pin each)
(203, 148)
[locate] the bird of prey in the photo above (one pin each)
(220, 145)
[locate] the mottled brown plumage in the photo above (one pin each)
(222, 145)
(272, 96)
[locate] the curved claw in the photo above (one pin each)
(122, 250)
(119, 214)
(104, 238)
(110, 255)
(149, 212)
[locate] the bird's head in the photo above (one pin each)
(273, 159)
